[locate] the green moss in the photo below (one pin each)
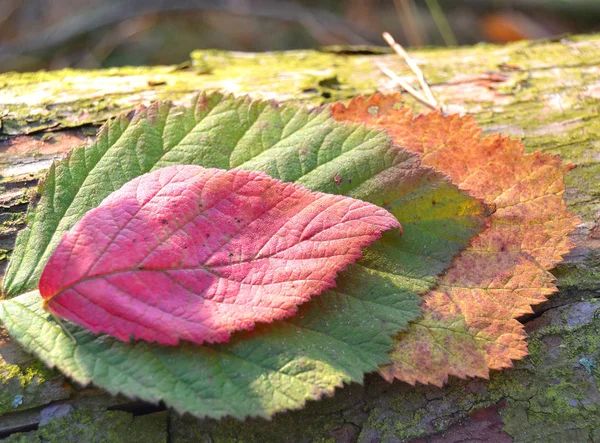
(93, 96)
(585, 277)
(409, 411)
(10, 220)
(537, 96)
(92, 424)
(25, 374)
(330, 419)
(19, 385)
(409, 428)
(557, 397)
(298, 428)
(8, 372)
(551, 395)
(414, 412)
(10, 223)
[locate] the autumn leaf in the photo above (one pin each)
(469, 324)
(333, 339)
(192, 253)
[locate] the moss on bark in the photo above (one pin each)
(546, 93)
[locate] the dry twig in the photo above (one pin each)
(428, 98)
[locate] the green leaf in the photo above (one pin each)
(335, 338)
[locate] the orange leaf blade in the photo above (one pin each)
(469, 323)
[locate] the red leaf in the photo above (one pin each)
(195, 254)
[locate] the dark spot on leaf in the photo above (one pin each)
(338, 180)
(164, 221)
(207, 235)
(433, 202)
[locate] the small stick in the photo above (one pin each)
(414, 68)
(416, 94)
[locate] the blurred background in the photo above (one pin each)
(52, 34)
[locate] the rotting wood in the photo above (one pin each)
(546, 93)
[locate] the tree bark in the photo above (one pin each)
(546, 93)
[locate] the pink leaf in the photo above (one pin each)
(192, 253)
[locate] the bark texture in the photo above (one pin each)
(546, 93)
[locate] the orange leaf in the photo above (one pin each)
(469, 324)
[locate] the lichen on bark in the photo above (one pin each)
(545, 93)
